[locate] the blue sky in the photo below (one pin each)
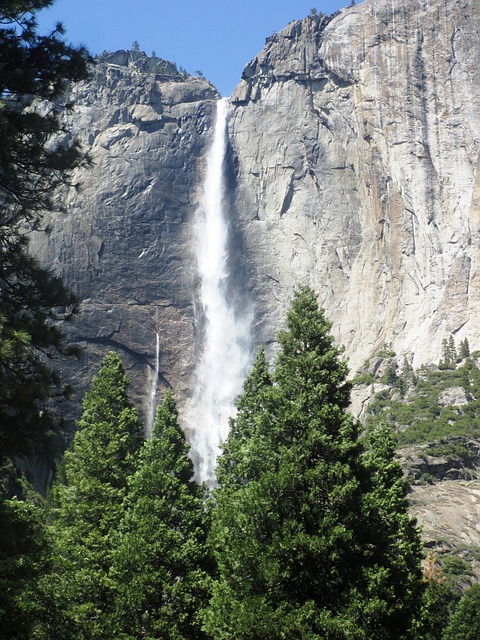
(215, 37)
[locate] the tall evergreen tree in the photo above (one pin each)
(89, 504)
(34, 71)
(235, 467)
(160, 563)
(305, 542)
(465, 622)
(437, 600)
(464, 351)
(391, 566)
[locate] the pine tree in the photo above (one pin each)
(465, 622)
(449, 354)
(33, 75)
(33, 78)
(394, 577)
(436, 601)
(235, 467)
(452, 350)
(23, 562)
(89, 503)
(160, 563)
(464, 351)
(307, 545)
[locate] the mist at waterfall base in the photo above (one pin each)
(222, 326)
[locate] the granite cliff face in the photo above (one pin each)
(353, 161)
(357, 146)
(447, 507)
(121, 237)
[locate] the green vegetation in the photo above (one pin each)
(88, 503)
(310, 530)
(438, 408)
(438, 600)
(23, 561)
(414, 407)
(465, 622)
(160, 564)
(307, 535)
(34, 71)
(455, 566)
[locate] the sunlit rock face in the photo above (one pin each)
(357, 143)
(121, 237)
(352, 165)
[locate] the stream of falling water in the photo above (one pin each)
(153, 387)
(225, 329)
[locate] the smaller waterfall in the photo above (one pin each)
(224, 326)
(152, 397)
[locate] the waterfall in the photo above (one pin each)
(152, 396)
(223, 326)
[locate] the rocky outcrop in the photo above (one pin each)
(445, 500)
(448, 516)
(357, 142)
(452, 458)
(448, 512)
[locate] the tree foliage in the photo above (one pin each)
(160, 562)
(34, 70)
(241, 460)
(436, 602)
(421, 416)
(24, 559)
(310, 532)
(88, 501)
(465, 622)
(33, 77)
(394, 576)
(464, 350)
(449, 354)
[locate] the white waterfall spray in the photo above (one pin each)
(152, 396)
(226, 329)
